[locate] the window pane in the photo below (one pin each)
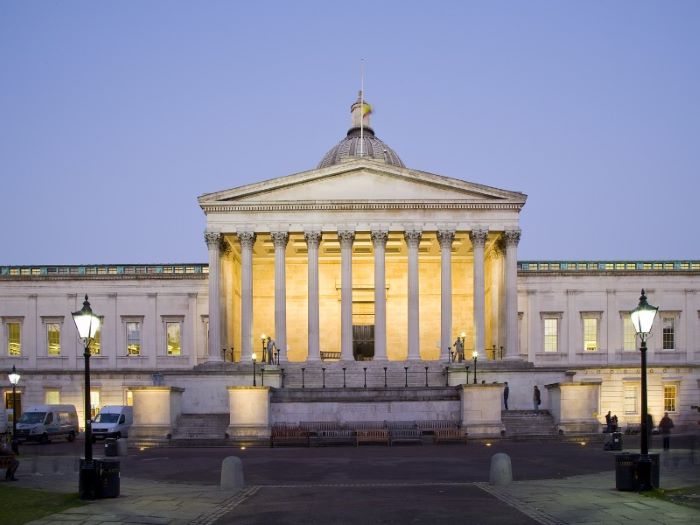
(590, 334)
(53, 336)
(669, 333)
(96, 343)
(630, 399)
(173, 338)
(670, 398)
(52, 396)
(14, 343)
(630, 336)
(133, 338)
(94, 403)
(550, 335)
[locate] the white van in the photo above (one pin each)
(42, 423)
(112, 421)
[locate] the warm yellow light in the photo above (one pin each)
(463, 335)
(263, 336)
(242, 448)
(488, 444)
(583, 443)
(254, 356)
(475, 354)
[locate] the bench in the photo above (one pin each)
(376, 435)
(429, 427)
(316, 426)
(333, 437)
(289, 436)
(330, 356)
(405, 435)
(449, 435)
(633, 429)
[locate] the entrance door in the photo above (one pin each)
(363, 342)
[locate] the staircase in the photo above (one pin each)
(200, 429)
(528, 424)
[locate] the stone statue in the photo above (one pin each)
(270, 351)
(459, 350)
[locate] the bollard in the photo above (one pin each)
(231, 474)
(501, 471)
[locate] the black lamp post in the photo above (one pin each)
(475, 355)
(14, 379)
(643, 319)
(255, 357)
(88, 325)
(263, 338)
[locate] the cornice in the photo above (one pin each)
(359, 206)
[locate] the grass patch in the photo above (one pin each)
(688, 496)
(20, 505)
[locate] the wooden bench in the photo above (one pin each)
(406, 435)
(333, 437)
(449, 435)
(375, 435)
(316, 426)
(289, 436)
(429, 427)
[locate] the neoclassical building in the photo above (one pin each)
(367, 275)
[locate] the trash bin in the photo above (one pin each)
(111, 447)
(108, 482)
(87, 481)
(626, 471)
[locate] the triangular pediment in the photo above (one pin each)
(362, 180)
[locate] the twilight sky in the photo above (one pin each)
(115, 116)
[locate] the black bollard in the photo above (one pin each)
(384, 377)
(406, 369)
(343, 377)
(426, 377)
(365, 369)
(323, 372)
(302, 377)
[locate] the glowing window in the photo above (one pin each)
(670, 398)
(53, 339)
(173, 338)
(14, 340)
(133, 338)
(96, 343)
(551, 332)
(590, 334)
(52, 396)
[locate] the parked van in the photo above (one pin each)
(45, 422)
(112, 421)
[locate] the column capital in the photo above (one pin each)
(247, 239)
(379, 238)
(478, 236)
(312, 238)
(212, 239)
(512, 236)
(346, 237)
(445, 238)
(412, 237)
(280, 239)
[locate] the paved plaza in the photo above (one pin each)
(553, 483)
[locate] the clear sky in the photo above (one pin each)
(115, 116)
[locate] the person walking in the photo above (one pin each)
(506, 391)
(536, 399)
(12, 463)
(665, 426)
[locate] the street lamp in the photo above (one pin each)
(263, 337)
(643, 319)
(255, 357)
(14, 379)
(87, 324)
(475, 355)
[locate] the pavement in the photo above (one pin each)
(372, 485)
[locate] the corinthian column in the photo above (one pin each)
(213, 240)
(280, 239)
(379, 238)
(247, 240)
(313, 239)
(412, 238)
(478, 238)
(512, 238)
(445, 238)
(346, 238)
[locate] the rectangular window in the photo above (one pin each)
(670, 398)
(14, 339)
(96, 343)
(53, 339)
(173, 338)
(129, 398)
(629, 342)
(630, 399)
(94, 403)
(133, 338)
(590, 334)
(669, 332)
(551, 334)
(52, 396)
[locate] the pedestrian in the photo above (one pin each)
(614, 423)
(506, 391)
(608, 422)
(536, 399)
(12, 463)
(665, 426)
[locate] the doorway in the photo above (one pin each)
(363, 342)
(10, 405)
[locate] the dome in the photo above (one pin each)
(360, 141)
